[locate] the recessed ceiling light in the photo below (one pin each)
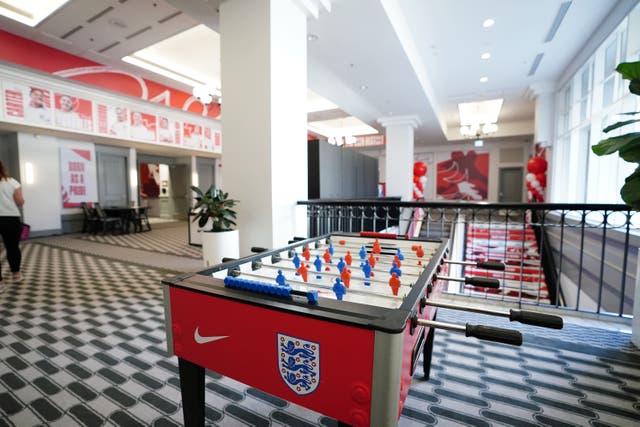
(312, 37)
(484, 79)
(29, 13)
(488, 23)
(363, 87)
(485, 55)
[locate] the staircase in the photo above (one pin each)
(516, 246)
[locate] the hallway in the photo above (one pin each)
(82, 342)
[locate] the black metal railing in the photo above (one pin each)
(575, 256)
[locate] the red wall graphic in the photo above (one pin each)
(28, 53)
(463, 176)
(149, 180)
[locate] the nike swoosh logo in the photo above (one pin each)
(203, 340)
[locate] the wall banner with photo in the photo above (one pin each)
(72, 112)
(78, 171)
(463, 176)
(28, 104)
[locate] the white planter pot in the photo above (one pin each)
(218, 245)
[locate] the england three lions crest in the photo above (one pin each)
(299, 363)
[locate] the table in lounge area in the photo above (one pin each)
(136, 216)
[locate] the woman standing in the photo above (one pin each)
(10, 200)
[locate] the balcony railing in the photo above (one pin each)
(580, 257)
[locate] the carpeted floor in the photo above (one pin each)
(82, 343)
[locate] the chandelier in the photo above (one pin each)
(476, 130)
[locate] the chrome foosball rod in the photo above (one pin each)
(485, 282)
(487, 333)
(487, 265)
(523, 316)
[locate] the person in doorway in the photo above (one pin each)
(10, 201)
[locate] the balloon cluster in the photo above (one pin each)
(536, 178)
(419, 180)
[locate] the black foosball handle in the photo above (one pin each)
(535, 318)
(485, 282)
(490, 333)
(258, 249)
(490, 265)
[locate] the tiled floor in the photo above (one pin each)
(82, 342)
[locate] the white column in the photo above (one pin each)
(133, 177)
(399, 155)
(264, 80)
(545, 112)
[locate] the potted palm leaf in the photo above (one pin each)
(216, 218)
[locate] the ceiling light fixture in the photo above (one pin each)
(363, 87)
(29, 13)
(485, 55)
(484, 79)
(488, 23)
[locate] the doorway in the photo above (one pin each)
(112, 179)
(510, 185)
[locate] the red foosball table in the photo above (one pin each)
(291, 322)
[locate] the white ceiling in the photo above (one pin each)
(415, 57)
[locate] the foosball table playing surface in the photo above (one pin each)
(335, 324)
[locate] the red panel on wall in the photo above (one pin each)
(34, 55)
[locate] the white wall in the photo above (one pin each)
(43, 201)
(430, 155)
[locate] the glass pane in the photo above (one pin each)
(607, 91)
(584, 81)
(583, 109)
(610, 59)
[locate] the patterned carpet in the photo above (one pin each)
(82, 343)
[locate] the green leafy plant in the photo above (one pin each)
(628, 145)
(215, 205)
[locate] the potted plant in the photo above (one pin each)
(215, 215)
(627, 145)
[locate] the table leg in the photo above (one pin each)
(192, 390)
(427, 352)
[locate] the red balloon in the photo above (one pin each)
(419, 169)
(542, 179)
(537, 165)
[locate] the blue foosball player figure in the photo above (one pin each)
(339, 289)
(363, 252)
(400, 255)
(318, 264)
(280, 279)
(341, 264)
(396, 270)
(331, 248)
(296, 262)
(366, 269)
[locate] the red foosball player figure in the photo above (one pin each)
(348, 258)
(419, 252)
(394, 282)
(327, 257)
(302, 271)
(372, 260)
(396, 260)
(376, 247)
(345, 276)
(306, 253)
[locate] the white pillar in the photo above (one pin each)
(264, 80)
(545, 112)
(399, 155)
